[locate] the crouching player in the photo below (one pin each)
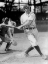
(6, 34)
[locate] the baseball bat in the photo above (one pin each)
(8, 26)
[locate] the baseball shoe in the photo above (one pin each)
(44, 57)
(8, 49)
(26, 54)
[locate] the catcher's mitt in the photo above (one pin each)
(13, 42)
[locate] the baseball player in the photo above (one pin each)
(29, 26)
(3, 31)
(6, 34)
(10, 34)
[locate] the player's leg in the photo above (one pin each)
(38, 49)
(26, 52)
(32, 40)
(8, 41)
(29, 49)
(35, 33)
(2, 40)
(34, 45)
(7, 46)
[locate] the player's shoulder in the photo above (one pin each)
(23, 15)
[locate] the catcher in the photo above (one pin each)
(10, 34)
(29, 26)
(6, 34)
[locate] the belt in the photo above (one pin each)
(31, 28)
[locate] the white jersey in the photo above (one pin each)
(31, 34)
(28, 17)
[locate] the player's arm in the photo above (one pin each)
(1, 24)
(24, 24)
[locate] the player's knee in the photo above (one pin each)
(33, 43)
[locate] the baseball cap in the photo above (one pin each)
(26, 7)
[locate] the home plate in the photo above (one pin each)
(20, 55)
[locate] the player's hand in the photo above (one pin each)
(18, 27)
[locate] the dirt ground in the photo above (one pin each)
(23, 44)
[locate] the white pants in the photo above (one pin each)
(32, 39)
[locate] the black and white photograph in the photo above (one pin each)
(23, 31)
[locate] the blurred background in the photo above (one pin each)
(14, 9)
